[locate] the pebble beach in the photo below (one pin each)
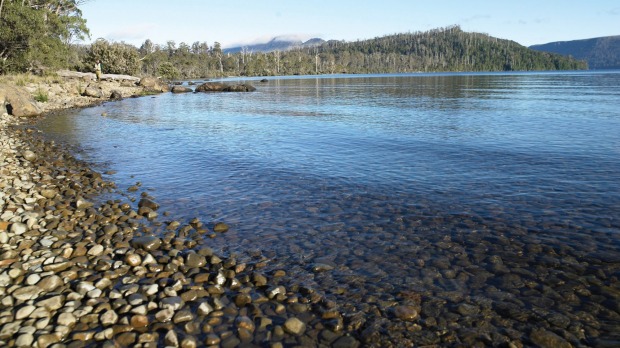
(77, 273)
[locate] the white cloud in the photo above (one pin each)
(475, 18)
(265, 39)
(132, 33)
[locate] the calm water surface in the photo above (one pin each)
(374, 174)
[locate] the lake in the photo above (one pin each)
(495, 197)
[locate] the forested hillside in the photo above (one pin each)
(446, 49)
(600, 53)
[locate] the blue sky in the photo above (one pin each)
(238, 22)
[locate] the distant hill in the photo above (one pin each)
(442, 49)
(600, 52)
(276, 44)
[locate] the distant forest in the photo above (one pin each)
(39, 35)
(445, 49)
(600, 52)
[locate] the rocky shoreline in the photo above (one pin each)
(76, 273)
(79, 271)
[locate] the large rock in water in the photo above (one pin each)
(220, 87)
(18, 102)
(211, 87)
(240, 88)
(154, 84)
(180, 89)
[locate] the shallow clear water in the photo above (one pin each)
(532, 143)
(372, 173)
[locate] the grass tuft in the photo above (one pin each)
(41, 96)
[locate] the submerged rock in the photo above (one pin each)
(145, 202)
(294, 326)
(406, 313)
(548, 339)
(220, 227)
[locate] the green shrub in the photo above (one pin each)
(168, 71)
(41, 96)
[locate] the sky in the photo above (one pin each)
(242, 22)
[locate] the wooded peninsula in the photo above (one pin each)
(40, 36)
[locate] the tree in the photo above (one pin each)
(35, 34)
(116, 58)
(171, 47)
(19, 27)
(168, 71)
(217, 50)
(147, 47)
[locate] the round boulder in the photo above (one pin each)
(154, 84)
(116, 95)
(92, 92)
(17, 101)
(240, 88)
(211, 87)
(147, 243)
(181, 89)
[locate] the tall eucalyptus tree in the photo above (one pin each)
(35, 34)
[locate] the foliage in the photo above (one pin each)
(41, 96)
(444, 49)
(168, 71)
(116, 57)
(35, 34)
(19, 27)
(197, 60)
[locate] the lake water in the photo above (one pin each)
(459, 187)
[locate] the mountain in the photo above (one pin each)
(600, 52)
(276, 44)
(442, 49)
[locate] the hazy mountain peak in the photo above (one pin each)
(278, 43)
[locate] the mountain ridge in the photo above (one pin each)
(600, 52)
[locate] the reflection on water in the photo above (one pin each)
(390, 178)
